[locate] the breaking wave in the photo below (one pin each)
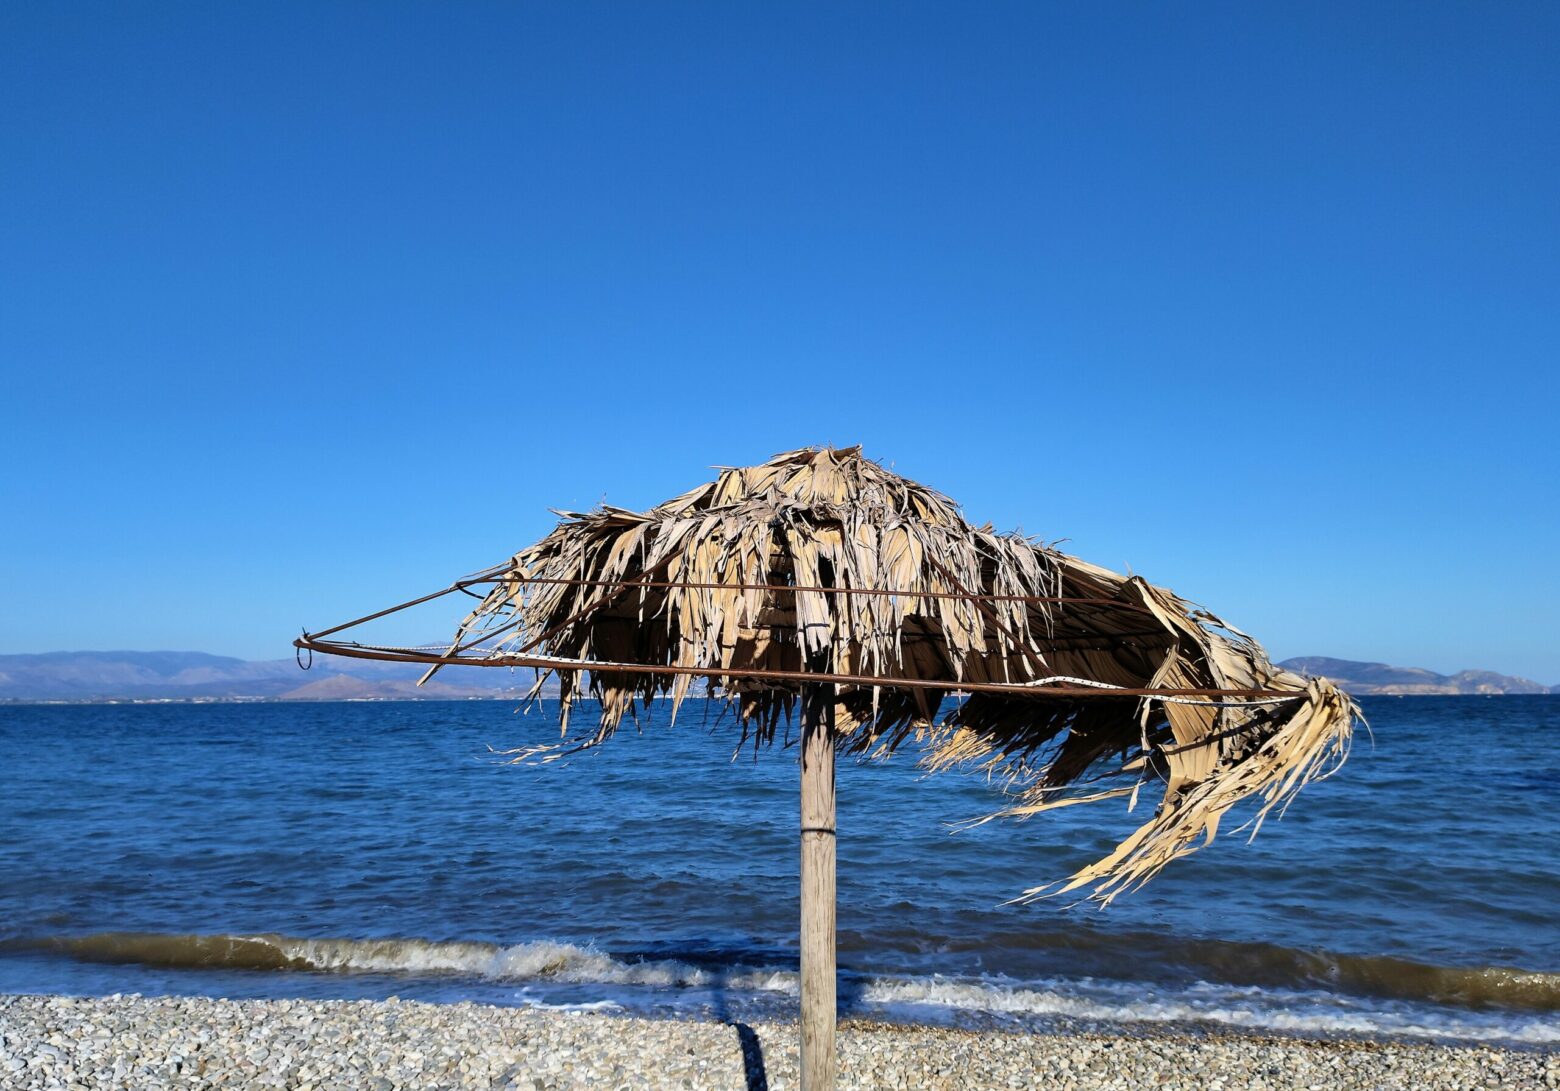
(1422, 1001)
(1250, 1008)
(541, 959)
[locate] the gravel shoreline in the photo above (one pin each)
(132, 1042)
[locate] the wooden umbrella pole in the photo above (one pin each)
(818, 835)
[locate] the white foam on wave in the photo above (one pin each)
(935, 998)
(542, 959)
(1246, 1008)
(582, 1006)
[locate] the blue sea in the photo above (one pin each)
(380, 848)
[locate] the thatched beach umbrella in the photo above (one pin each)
(824, 587)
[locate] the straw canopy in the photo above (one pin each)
(1072, 682)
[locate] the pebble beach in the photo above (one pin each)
(51, 1043)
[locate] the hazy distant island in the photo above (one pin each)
(198, 676)
(1366, 679)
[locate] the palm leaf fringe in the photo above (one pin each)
(830, 518)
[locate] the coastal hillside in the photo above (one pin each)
(1380, 678)
(199, 676)
(153, 676)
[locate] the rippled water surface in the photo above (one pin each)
(371, 849)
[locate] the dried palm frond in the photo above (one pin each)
(821, 560)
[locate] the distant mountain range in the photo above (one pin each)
(196, 676)
(1364, 679)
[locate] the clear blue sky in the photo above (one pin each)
(306, 309)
